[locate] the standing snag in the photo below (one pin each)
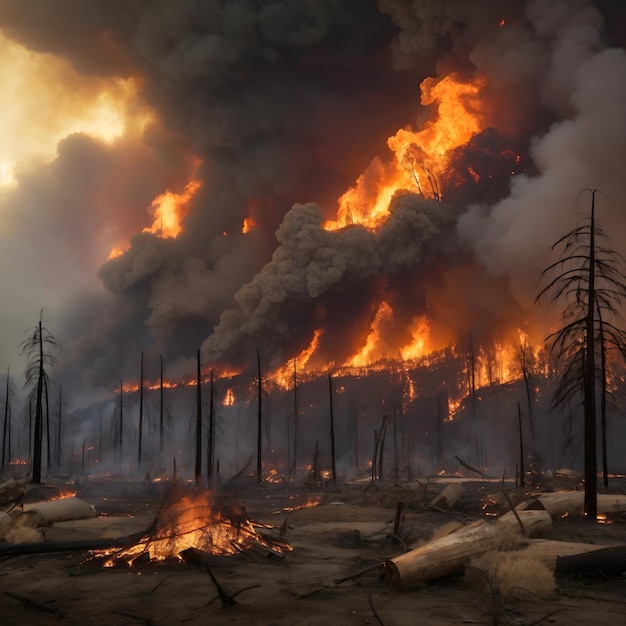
(588, 280)
(39, 348)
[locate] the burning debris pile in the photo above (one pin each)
(195, 520)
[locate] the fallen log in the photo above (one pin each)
(48, 547)
(556, 503)
(548, 550)
(609, 503)
(529, 523)
(447, 497)
(610, 561)
(560, 503)
(451, 553)
(51, 511)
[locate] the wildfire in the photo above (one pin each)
(169, 208)
(307, 504)
(421, 157)
(201, 521)
(229, 398)
(284, 376)
(63, 493)
(372, 343)
(248, 225)
(102, 108)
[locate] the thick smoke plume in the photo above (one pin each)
(284, 104)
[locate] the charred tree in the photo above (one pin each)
(198, 469)
(38, 347)
(140, 410)
(439, 432)
(259, 444)
(121, 425)
(294, 462)
(588, 281)
(522, 470)
(526, 362)
(160, 404)
(211, 439)
(332, 431)
(6, 427)
(355, 429)
(48, 436)
(59, 426)
(603, 393)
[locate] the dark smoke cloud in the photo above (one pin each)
(285, 103)
(311, 263)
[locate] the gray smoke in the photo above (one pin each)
(286, 103)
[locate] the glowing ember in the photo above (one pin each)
(307, 504)
(199, 520)
(63, 493)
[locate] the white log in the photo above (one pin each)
(448, 496)
(557, 503)
(547, 550)
(451, 553)
(51, 511)
(609, 503)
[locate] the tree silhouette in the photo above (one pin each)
(6, 427)
(588, 279)
(39, 348)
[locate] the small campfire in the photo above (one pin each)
(199, 521)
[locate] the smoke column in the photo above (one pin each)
(276, 109)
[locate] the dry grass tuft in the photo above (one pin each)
(510, 537)
(446, 529)
(23, 534)
(509, 576)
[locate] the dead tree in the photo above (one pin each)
(39, 348)
(140, 410)
(589, 283)
(259, 445)
(211, 438)
(332, 430)
(6, 428)
(198, 469)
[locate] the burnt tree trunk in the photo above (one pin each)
(332, 431)
(198, 469)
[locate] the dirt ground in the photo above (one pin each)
(348, 531)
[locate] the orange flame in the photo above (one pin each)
(229, 398)
(422, 157)
(372, 344)
(193, 522)
(169, 208)
(283, 376)
(248, 225)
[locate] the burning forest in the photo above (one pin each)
(245, 179)
(298, 248)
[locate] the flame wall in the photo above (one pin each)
(276, 110)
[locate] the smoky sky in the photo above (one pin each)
(285, 103)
